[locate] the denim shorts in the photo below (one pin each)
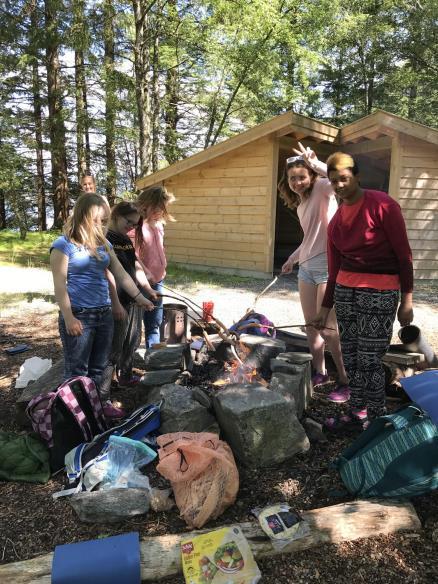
(314, 271)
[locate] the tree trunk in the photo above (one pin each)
(2, 210)
(38, 121)
(155, 94)
(160, 557)
(56, 121)
(80, 114)
(110, 102)
(142, 67)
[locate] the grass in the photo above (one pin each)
(33, 252)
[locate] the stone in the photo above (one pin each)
(295, 385)
(180, 411)
(169, 357)
(262, 349)
(259, 425)
(314, 430)
(110, 506)
(139, 356)
(283, 366)
(154, 378)
(295, 357)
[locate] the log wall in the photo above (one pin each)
(224, 212)
(418, 197)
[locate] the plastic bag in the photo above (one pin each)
(203, 474)
(281, 524)
(124, 459)
(223, 555)
(31, 370)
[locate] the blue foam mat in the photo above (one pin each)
(112, 560)
(423, 390)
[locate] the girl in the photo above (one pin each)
(369, 262)
(127, 331)
(302, 188)
(88, 183)
(152, 203)
(78, 260)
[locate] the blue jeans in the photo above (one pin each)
(153, 319)
(88, 353)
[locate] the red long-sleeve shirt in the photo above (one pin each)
(375, 243)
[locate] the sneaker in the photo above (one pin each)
(340, 394)
(319, 379)
(111, 411)
(359, 414)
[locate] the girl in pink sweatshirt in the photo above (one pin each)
(304, 187)
(152, 204)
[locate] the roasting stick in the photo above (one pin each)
(263, 291)
(259, 325)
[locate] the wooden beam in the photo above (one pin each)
(160, 557)
(383, 143)
(395, 169)
(288, 121)
(271, 203)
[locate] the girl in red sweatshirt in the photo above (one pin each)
(370, 264)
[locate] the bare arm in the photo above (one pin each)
(140, 274)
(59, 267)
(119, 313)
(127, 283)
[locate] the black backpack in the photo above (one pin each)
(66, 417)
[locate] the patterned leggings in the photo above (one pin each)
(365, 319)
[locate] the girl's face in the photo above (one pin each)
(100, 217)
(345, 184)
(152, 213)
(299, 179)
(124, 224)
(88, 185)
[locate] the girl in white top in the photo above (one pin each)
(302, 187)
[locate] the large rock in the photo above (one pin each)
(169, 357)
(262, 350)
(161, 377)
(110, 506)
(180, 411)
(293, 385)
(260, 425)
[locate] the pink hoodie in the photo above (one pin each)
(151, 253)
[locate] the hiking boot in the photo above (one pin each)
(111, 411)
(340, 394)
(319, 379)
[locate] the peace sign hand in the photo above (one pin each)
(307, 154)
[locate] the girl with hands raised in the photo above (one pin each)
(304, 187)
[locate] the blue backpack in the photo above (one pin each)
(396, 456)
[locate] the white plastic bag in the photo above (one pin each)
(31, 370)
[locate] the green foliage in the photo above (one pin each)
(31, 252)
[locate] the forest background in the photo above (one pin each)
(123, 88)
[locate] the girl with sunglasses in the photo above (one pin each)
(304, 187)
(127, 330)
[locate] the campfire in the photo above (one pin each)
(240, 373)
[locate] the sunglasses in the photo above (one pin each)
(294, 159)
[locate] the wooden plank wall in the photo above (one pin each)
(224, 212)
(418, 197)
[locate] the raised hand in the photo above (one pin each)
(307, 154)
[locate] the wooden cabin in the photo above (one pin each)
(230, 218)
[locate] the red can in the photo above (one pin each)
(207, 310)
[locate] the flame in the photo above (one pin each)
(240, 373)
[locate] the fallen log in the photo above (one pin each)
(161, 556)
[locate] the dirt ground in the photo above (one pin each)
(32, 523)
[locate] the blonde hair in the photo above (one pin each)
(80, 227)
(341, 161)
